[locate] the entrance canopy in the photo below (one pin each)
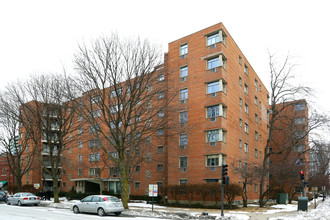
(3, 183)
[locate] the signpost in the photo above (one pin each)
(153, 192)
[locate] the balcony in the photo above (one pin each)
(49, 177)
(48, 164)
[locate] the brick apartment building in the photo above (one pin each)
(6, 177)
(222, 113)
(291, 137)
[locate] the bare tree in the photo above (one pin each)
(124, 89)
(19, 153)
(284, 95)
(48, 119)
(320, 165)
(248, 175)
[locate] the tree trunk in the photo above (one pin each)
(19, 184)
(55, 189)
(124, 186)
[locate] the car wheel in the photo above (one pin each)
(35, 204)
(101, 212)
(117, 213)
(19, 203)
(8, 203)
(75, 209)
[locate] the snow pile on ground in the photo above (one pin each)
(322, 212)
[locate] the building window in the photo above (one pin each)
(80, 131)
(255, 188)
(256, 118)
(183, 163)
(212, 160)
(161, 77)
(213, 111)
(212, 136)
(183, 73)
(80, 117)
(79, 144)
(79, 173)
(183, 50)
(212, 39)
(299, 121)
(160, 132)
(246, 128)
(246, 147)
(137, 168)
(256, 100)
(246, 89)
(113, 93)
(148, 174)
(96, 113)
(94, 143)
(256, 153)
(240, 122)
(183, 95)
(246, 69)
(183, 181)
(160, 149)
(79, 158)
(160, 167)
(137, 185)
(240, 80)
(240, 101)
(183, 118)
(160, 95)
(240, 144)
(183, 142)
(95, 99)
(299, 106)
(213, 63)
(246, 108)
(256, 135)
(300, 148)
(113, 171)
(240, 60)
(161, 114)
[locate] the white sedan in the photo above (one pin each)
(100, 204)
(23, 198)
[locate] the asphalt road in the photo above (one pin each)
(12, 212)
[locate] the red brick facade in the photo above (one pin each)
(222, 117)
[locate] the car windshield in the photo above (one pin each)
(28, 194)
(112, 199)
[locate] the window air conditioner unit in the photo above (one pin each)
(183, 56)
(213, 143)
(183, 101)
(183, 78)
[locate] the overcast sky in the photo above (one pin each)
(42, 35)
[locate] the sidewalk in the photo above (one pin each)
(250, 213)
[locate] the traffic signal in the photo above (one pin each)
(302, 175)
(224, 170)
(225, 180)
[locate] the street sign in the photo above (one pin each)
(153, 190)
(36, 185)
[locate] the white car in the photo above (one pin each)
(100, 204)
(23, 198)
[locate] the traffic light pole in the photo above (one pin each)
(222, 192)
